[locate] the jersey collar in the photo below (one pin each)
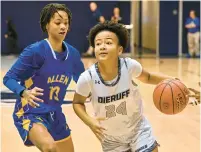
(53, 53)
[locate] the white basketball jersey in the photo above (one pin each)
(121, 104)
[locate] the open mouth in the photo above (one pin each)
(103, 53)
(62, 33)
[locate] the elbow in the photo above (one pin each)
(74, 107)
(147, 78)
(5, 79)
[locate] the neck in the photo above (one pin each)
(108, 70)
(56, 45)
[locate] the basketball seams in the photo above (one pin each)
(161, 95)
(162, 91)
(184, 86)
(163, 83)
(181, 91)
(172, 97)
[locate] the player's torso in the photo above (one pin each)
(54, 77)
(120, 104)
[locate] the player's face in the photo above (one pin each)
(192, 14)
(58, 26)
(107, 46)
(116, 11)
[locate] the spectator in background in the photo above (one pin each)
(116, 16)
(193, 36)
(11, 38)
(98, 17)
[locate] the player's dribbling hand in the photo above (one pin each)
(196, 95)
(97, 128)
(30, 96)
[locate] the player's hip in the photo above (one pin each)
(54, 121)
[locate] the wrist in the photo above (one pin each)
(22, 93)
(90, 122)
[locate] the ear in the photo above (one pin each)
(47, 27)
(120, 50)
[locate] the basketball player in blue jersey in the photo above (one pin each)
(119, 123)
(41, 76)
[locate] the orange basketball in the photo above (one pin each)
(170, 96)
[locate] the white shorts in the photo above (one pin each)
(141, 140)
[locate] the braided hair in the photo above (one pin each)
(48, 12)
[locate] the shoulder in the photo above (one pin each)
(131, 62)
(89, 73)
(34, 48)
(73, 51)
(72, 48)
(134, 67)
(85, 77)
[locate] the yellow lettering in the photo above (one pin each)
(53, 80)
(66, 80)
(49, 80)
(62, 78)
(54, 92)
(57, 78)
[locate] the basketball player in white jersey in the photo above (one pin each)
(119, 124)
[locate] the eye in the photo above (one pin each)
(109, 43)
(97, 44)
(57, 23)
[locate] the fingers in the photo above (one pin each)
(194, 103)
(36, 99)
(101, 128)
(99, 135)
(192, 95)
(33, 104)
(37, 94)
(193, 90)
(38, 89)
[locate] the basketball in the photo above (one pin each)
(170, 96)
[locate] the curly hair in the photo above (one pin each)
(48, 12)
(117, 28)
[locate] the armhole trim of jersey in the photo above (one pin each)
(125, 63)
(90, 73)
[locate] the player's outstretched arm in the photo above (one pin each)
(152, 78)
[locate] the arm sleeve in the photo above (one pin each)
(83, 85)
(28, 61)
(188, 21)
(78, 66)
(197, 22)
(135, 68)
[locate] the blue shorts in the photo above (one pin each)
(54, 121)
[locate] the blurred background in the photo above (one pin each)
(157, 28)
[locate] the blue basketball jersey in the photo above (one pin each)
(54, 76)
